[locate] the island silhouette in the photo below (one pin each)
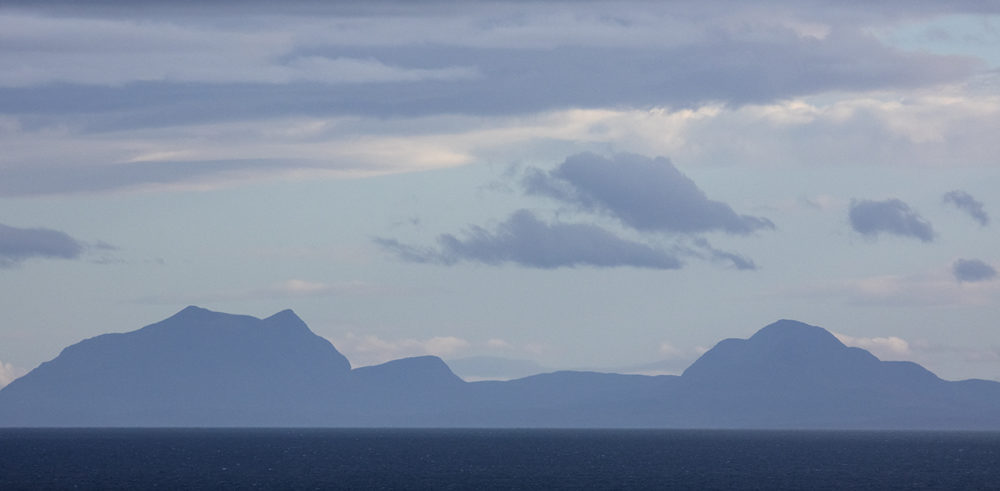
(200, 368)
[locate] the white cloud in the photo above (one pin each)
(885, 348)
(306, 288)
(940, 358)
(498, 344)
(906, 128)
(669, 351)
(8, 373)
(205, 156)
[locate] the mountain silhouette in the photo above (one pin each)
(195, 368)
(791, 374)
(204, 368)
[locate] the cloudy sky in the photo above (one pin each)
(581, 184)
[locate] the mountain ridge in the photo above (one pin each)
(205, 368)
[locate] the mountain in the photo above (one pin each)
(204, 368)
(196, 368)
(494, 368)
(794, 375)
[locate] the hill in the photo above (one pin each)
(204, 368)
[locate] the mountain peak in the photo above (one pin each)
(792, 334)
(205, 368)
(193, 310)
(785, 348)
(287, 319)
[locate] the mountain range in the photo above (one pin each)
(202, 368)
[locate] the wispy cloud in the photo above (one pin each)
(703, 249)
(971, 206)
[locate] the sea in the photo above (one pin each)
(495, 459)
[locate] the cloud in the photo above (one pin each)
(525, 240)
(704, 248)
(497, 343)
(972, 270)
(892, 216)
(136, 175)
(8, 373)
(649, 195)
(479, 59)
(668, 350)
(20, 244)
(933, 288)
(213, 155)
(885, 348)
(965, 202)
(371, 350)
(954, 126)
(71, 81)
(672, 361)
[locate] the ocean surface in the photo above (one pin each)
(495, 459)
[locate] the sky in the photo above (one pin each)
(583, 185)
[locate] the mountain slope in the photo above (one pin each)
(197, 367)
(790, 374)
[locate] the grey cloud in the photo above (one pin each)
(512, 82)
(891, 216)
(558, 69)
(20, 244)
(525, 240)
(733, 259)
(965, 202)
(646, 194)
(972, 270)
(503, 59)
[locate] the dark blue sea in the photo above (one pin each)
(495, 459)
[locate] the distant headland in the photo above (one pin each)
(200, 368)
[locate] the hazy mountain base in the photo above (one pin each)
(203, 368)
